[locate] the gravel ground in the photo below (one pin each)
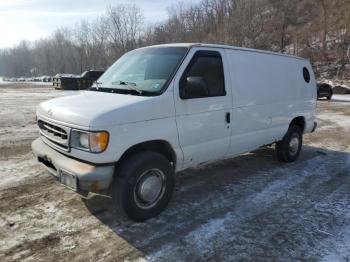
(247, 208)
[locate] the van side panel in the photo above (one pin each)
(268, 91)
(308, 96)
(260, 79)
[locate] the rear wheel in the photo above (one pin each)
(143, 186)
(289, 148)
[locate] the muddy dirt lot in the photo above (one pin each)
(248, 208)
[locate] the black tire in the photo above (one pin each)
(130, 180)
(329, 97)
(287, 150)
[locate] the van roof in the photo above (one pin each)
(227, 47)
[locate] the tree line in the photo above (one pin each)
(315, 29)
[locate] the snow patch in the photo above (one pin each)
(215, 230)
(333, 83)
(207, 231)
(342, 246)
(338, 119)
(67, 243)
(348, 162)
(341, 98)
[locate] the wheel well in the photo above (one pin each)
(158, 146)
(299, 121)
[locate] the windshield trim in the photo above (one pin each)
(170, 79)
(144, 92)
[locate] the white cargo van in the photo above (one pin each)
(161, 109)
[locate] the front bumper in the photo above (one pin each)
(87, 177)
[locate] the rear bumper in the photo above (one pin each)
(314, 127)
(89, 178)
(310, 126)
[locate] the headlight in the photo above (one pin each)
(84, 140)
(95, 142)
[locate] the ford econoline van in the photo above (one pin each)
(162, 109)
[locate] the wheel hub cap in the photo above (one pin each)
(150, 187)
(294, 145)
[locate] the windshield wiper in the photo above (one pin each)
(129, 84)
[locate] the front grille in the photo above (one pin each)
(57, 135)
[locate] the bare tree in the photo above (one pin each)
(316, 29)
(124, 24)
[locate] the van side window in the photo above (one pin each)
(204, 70)
(306, 75)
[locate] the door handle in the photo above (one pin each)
(228, 117)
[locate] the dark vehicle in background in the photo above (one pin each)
(76, 82)
(324, 90)
(45, 79)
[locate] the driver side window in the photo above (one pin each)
(204, 76)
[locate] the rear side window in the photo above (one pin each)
(208, 65)
(306, 75)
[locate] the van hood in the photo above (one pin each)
(93, 110)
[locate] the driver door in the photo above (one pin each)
(203, 122)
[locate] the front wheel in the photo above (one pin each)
(143, 186)
(289, 148)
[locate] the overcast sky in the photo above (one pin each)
(34, 19)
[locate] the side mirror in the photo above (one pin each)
(194, 87)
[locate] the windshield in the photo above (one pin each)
(143, 71)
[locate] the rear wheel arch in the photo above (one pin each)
(298, 121)
(288, 149)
